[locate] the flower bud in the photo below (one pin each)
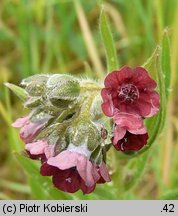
(32, 102)
(62, 89)
(42, 78)
(86, 133)
(96, 111)
(36, 88)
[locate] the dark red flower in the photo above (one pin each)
(131, 142)
(130, 90)
(72, 171)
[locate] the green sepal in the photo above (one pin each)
(20, 92)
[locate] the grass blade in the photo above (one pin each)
(90, 45)
(165, 61)
(21, 188)
(106, 35)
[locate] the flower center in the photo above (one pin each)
(123, 142)
(128, 93)
(69, 180)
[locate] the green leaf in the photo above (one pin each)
(14, 186)
(170, 195)
(151, 60)
(165, 61)
(20, 92)
(106, 35)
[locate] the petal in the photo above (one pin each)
(86, 189)
(137, 142)
(127, 120)
(111, 80)
(104, 172)
(141, 130)
(143, 106)
(142, 79)
(87, 171)
(107, 106)
(125, 75)
(115, 78)
(64, 160)
(155, 103)
(132, 142)
(47, 170)
(36, 157)
(29, 131)
(119, 133)
(67, 180)
(49, 151)
(20, 122)
(36, 148)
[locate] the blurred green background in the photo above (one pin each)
(62, 36)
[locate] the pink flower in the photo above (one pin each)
(103, 172)
(29, 130)
(72, 171)
(127, 122)
(40, 149)
(130, 90)
(131, 142)
(20, 122)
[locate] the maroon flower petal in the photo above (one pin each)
(111, 80)
(67, 180)
(104, 174)
(144, 107)
(47, 170)
(115, 78)
(155, 103)
(86, 189)
(36, 157)
(107, 106)
(131, 142)
(142, 79)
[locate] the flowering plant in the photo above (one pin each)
(64, 131)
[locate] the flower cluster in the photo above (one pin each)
(129, 97)
(68, 144)
(67, 131)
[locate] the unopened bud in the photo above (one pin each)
(32, 102)
(86, 133)
(62, 89)
(40, 78)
